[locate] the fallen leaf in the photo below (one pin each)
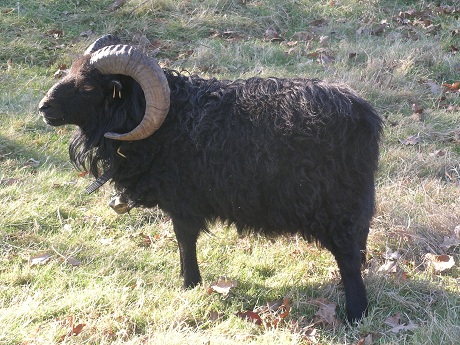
(373, 29)
(352, 56)
(450, 242)
(412, 140)
(222, 286)
(393, 320)
(273, 312)
(324, 41)
(185, 54)
(40, 260)
(303, 36)
(61, 72)
(457, 231)
(309, 334)
(272, 35)
(396, 326)
(55, 33)
(31, 163)
(72, 261)
(214, 316)
(391, 254)
(389, 266)
(438, 153)
(74, 331)
(454, 87)
(440, 263)
(9, 181)
(318, 22)
(251, 316)
(115, 5)
(82, 174)
(366, 340)
(453, 49)
(405, 327)
(326, 313)
(417, 112)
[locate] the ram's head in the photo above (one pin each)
(92, 76)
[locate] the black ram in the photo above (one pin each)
(270, 155)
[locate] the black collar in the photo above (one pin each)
(106, 175)
(101, 180)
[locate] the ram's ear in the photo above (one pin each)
(116, 86)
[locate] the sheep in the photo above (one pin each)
(269, 155)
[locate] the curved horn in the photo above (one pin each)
(101, 42)
(124, 59)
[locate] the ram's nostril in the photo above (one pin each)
(43, 105)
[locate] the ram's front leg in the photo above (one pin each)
(187, 232)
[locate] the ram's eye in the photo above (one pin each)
(87, 88)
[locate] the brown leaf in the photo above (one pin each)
(366, 340)
(438, 153)
(325, 315)
(440, 262)
(416, 108)
(389, 266)
(393, 320)
(412, 140)
(273, 312)
(185, 54)
(324, 41)
(40, 260)
(72, 261)
(454, 87)
(352, 56)
(9, 181)
(60, 73)
(405, 327)
(74, 331)
(82, 174)
(373, 29)
(251, 316)
(309, 334)
(303, 36)
(231, 35)
(214, 315)
(272, 35)
(115, 5)
(222, 286)
(318, 22)
(453, 49)
(396, 326)
(55, 33)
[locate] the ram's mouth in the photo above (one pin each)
(54, 121)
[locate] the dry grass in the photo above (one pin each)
(127, 291)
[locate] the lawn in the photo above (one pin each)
(72, 271)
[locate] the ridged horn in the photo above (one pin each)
(127, 60)
(104, 41)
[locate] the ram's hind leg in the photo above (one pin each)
(187, 232)
(348, 249)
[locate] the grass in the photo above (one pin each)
(127, 290)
